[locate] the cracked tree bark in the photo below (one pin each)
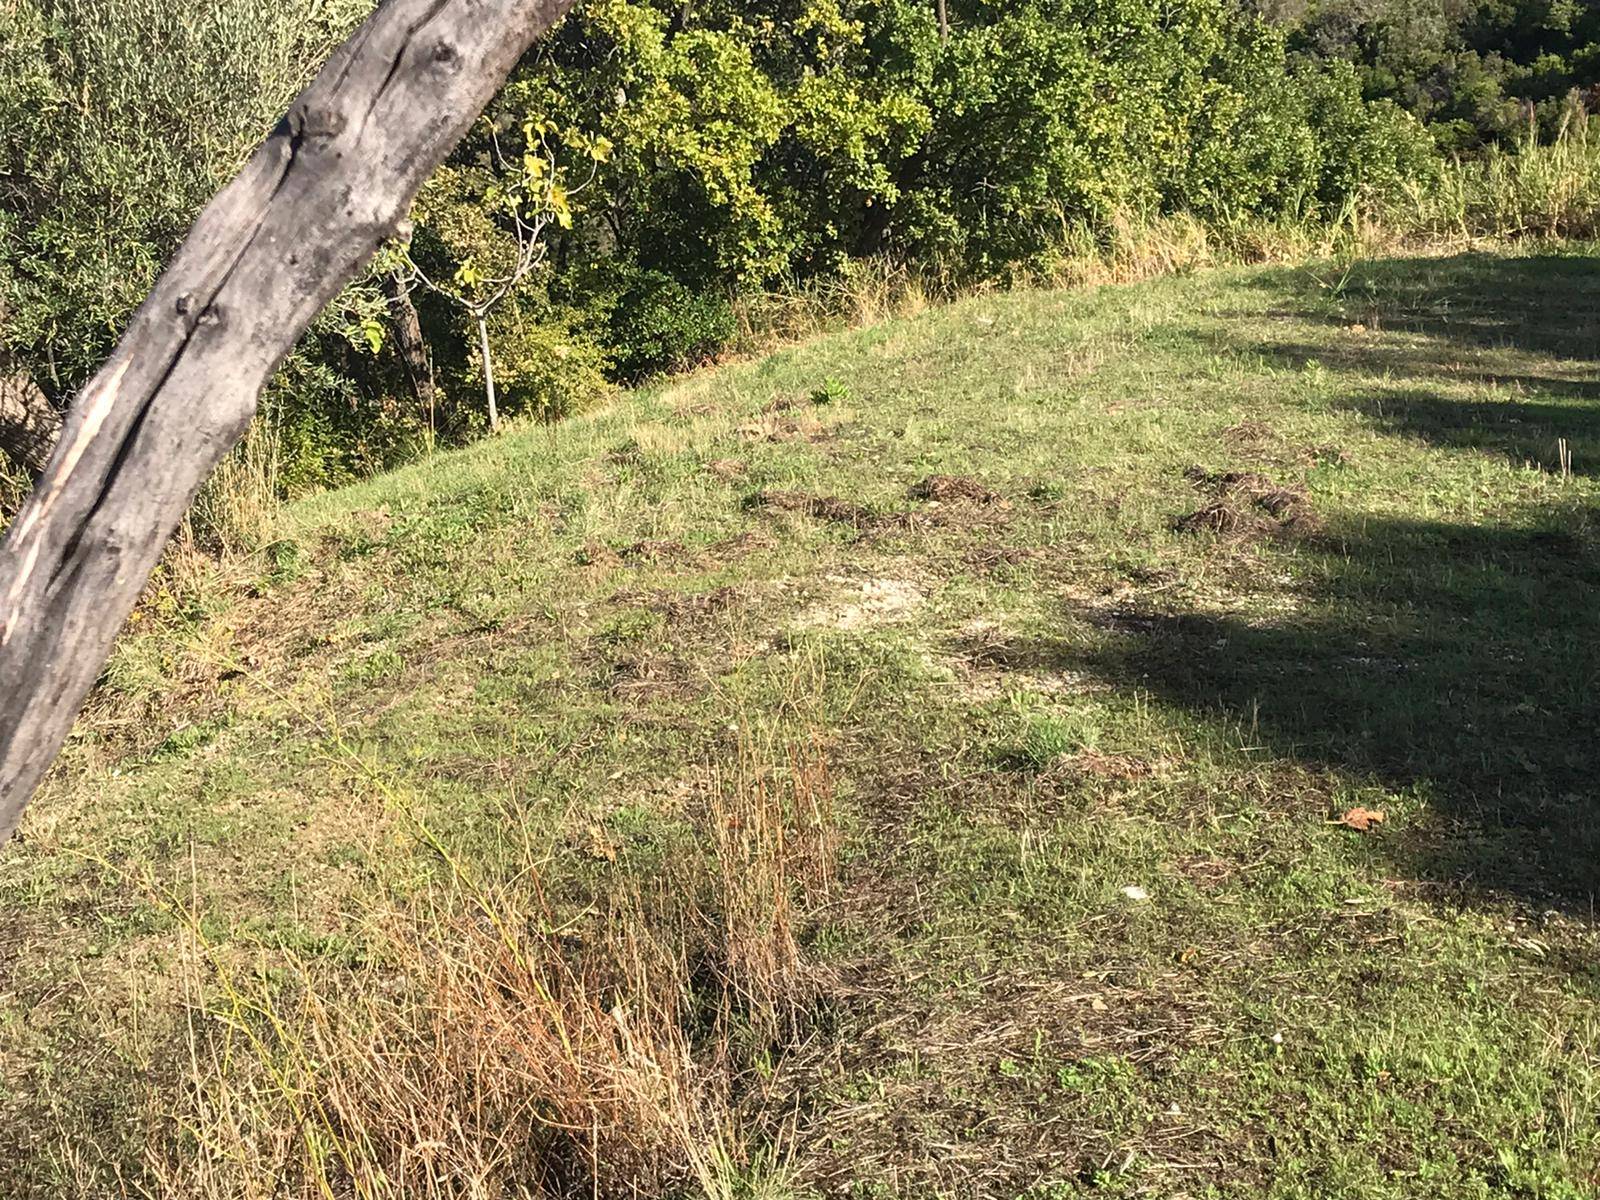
(328, 186)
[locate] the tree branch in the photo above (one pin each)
(329, 185)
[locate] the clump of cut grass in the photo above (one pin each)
(240, 507)
(863, 292)
(488, 1050)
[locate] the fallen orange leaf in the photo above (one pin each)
(1361, 819)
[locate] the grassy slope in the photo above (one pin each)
(1028, 705)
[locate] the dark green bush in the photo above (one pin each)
(657, 324)
(1476, 72)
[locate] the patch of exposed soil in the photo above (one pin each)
(1120, 768)
(990, 662)
(863, 603)
(1129, 620)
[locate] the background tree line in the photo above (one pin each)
(656, 159)
(1475, 71)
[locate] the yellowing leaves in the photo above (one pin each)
(557, 202)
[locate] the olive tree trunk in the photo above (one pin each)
(412, 345)
(329, 185)
(29, 427)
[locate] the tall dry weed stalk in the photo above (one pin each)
(776, 850)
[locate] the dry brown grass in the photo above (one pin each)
(492, 1053)
(495, 1044)
(776, 853)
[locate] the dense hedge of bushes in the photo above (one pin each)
(654, 158)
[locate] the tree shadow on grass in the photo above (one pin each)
(1527, 328)
(1463, 661)
(1545, 305)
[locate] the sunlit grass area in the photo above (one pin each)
(926, 761)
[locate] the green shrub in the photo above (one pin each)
(657, 324)
(731, 147)
(546, 365)
(832, 391)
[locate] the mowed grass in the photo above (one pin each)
(1090, 719)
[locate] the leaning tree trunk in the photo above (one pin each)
(330, 184)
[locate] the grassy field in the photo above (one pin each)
(915, 764)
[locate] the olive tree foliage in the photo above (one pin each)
(121, 118)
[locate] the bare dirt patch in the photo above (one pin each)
(863, 603)
(990, 661)
(1120, 768)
